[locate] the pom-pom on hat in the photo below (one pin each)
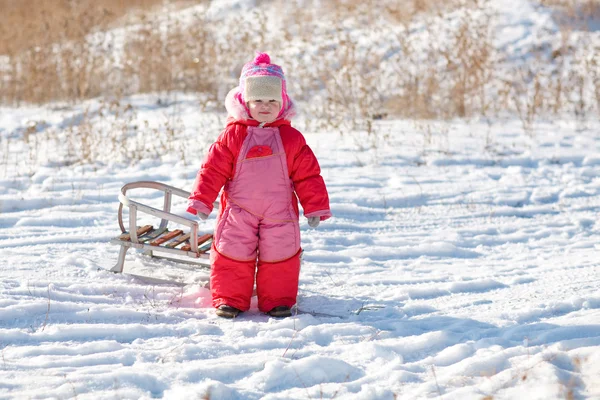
(261, 80)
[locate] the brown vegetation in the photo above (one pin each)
(69, 50)
(579, 13)
(25, 24)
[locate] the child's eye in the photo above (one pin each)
(272, 101)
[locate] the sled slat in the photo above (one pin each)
(201, 239)
(177, 239)
(166, 237)
(140, 231)
(153, 234)
(176, 242)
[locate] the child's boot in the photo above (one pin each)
(226, 311)
(280, 312)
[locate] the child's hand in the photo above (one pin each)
(202, 216)
(313, 222)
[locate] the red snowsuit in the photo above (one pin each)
(264, 171)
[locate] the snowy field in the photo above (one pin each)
(461, 262)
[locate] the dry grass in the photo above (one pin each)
(45, 22)
(454, 78)
(412, 66)
(25, 24)
(581, 14)
(394, 11)
(50, 53)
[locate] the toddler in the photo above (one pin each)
(265, 167)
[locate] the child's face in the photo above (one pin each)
(264, 110)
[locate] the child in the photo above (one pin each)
(266, 167)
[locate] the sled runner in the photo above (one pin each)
(175, 235)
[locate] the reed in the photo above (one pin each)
(414, 64)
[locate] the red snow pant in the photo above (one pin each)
(232, 282)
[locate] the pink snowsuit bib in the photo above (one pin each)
(259, 214)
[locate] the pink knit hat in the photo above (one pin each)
(261, 80)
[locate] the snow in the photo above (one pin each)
(461, 262)
(457, 274)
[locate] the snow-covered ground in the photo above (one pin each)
(462, 262)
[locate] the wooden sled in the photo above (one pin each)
(175, 235)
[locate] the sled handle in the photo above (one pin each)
(165, 215)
